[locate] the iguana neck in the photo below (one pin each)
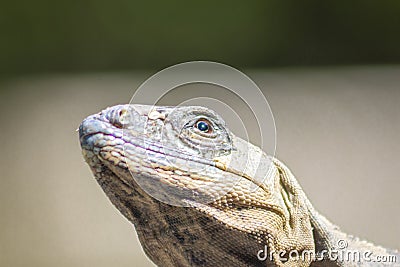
(337, 247)
(347, 250)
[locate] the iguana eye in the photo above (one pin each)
(204, 126)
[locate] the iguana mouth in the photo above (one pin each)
(91, 138)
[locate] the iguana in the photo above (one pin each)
(200, 196)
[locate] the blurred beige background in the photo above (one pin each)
(337, 129)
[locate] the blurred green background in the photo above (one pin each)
(91, 35)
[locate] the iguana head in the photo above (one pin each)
(153, 161)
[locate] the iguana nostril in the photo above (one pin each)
(122, 112)
(119, 117)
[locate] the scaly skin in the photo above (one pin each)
(206, 198)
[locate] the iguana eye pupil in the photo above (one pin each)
(203, 126)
